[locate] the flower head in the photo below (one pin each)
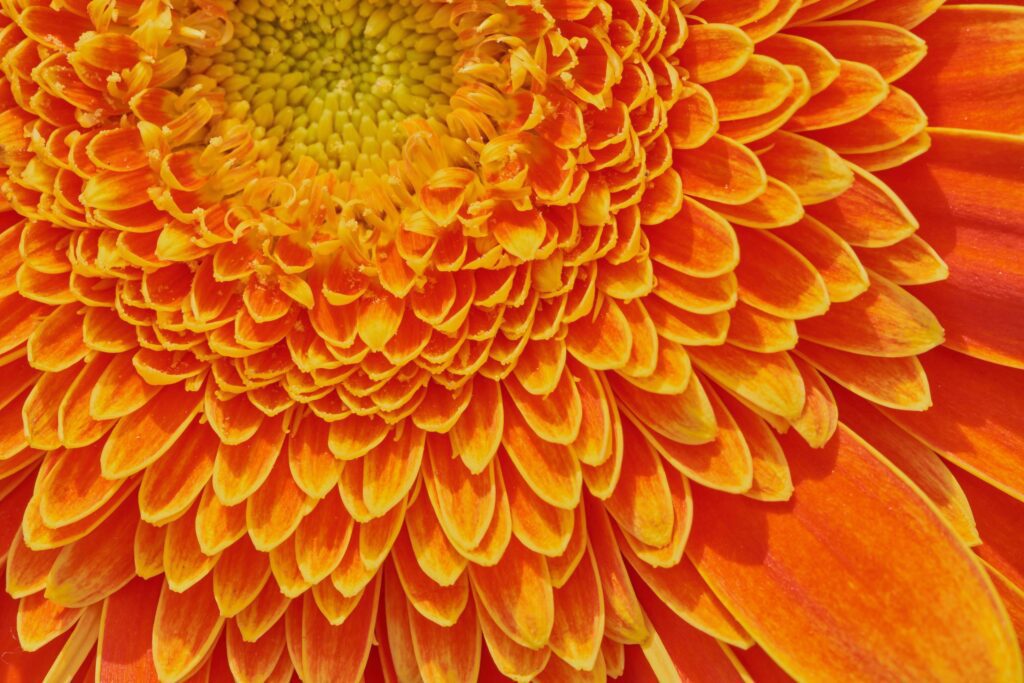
(560, 340)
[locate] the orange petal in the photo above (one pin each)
(254, 661)
(98, 565)
(770, 381)
(914, 459)
(579, 617)
(464, 502)
(909, 262)
(884, 321)
(869, 214)
(777, 279)
(312, 464)
(517, 595)
(776, 207)
(338, 653)
(857, 90)
(697, 241)
(477, 434)
(186, 627)
(120, 390)
(241, 574)
(775, 568)
(185, 563)
(41, 620)
(124, 651)
(541, 527)
(436, 556)
(27, 569)
(509, 657)
(976, 91)
(446, 653)
(442, 605)
(817, 421)
(57, 343)
(390, 470)
(641, 503)
(999, 521)
(141, 438)
(322, 537)
(549, 468)
(963, 190)
(624, 619)
(976, 422)
(891, 50)
(682, 590)
(277, 507)
(603, 340)
(593, 444)
(39, 412)
(239, 470)
(554, 417)
(355, 436)
(74, 488)
(75, 426)
(263, 612)
(893, 382)
(715, 51)
(815, 172)
(721, 170)
(678, 650)
(149, 549)
(686, 418)
(218, 525)
(836, 263)
(171, 484)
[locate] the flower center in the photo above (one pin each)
(334, 80)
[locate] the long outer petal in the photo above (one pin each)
(855, 577)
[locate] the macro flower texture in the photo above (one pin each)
(548, 340)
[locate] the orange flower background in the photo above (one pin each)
(560, 340)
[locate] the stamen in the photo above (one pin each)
(333, 81)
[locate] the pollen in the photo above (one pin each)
(334, 81)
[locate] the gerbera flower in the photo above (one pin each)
(555, 340)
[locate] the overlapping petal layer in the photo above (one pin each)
(556, 341)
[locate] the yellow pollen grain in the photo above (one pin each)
(334, 80)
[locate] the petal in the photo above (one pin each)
(322, 538)
(914, 459)
(124, 652)
(641, 503)
(464, 502)
(517, 595)
(241, 574)
(186, 628)
(963, 190)
(624, 619)
(579, 617)
(446, 653)
(239, 470)
(777, 279)
(338, 653)
(549, 468)
(960, 83)
(254, 661)
(898, 383)
(775, 567)
(885, 321)
(976, 422)
(141, 438)
(96, 566)
(477, 434)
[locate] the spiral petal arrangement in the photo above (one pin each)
(488, 339)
